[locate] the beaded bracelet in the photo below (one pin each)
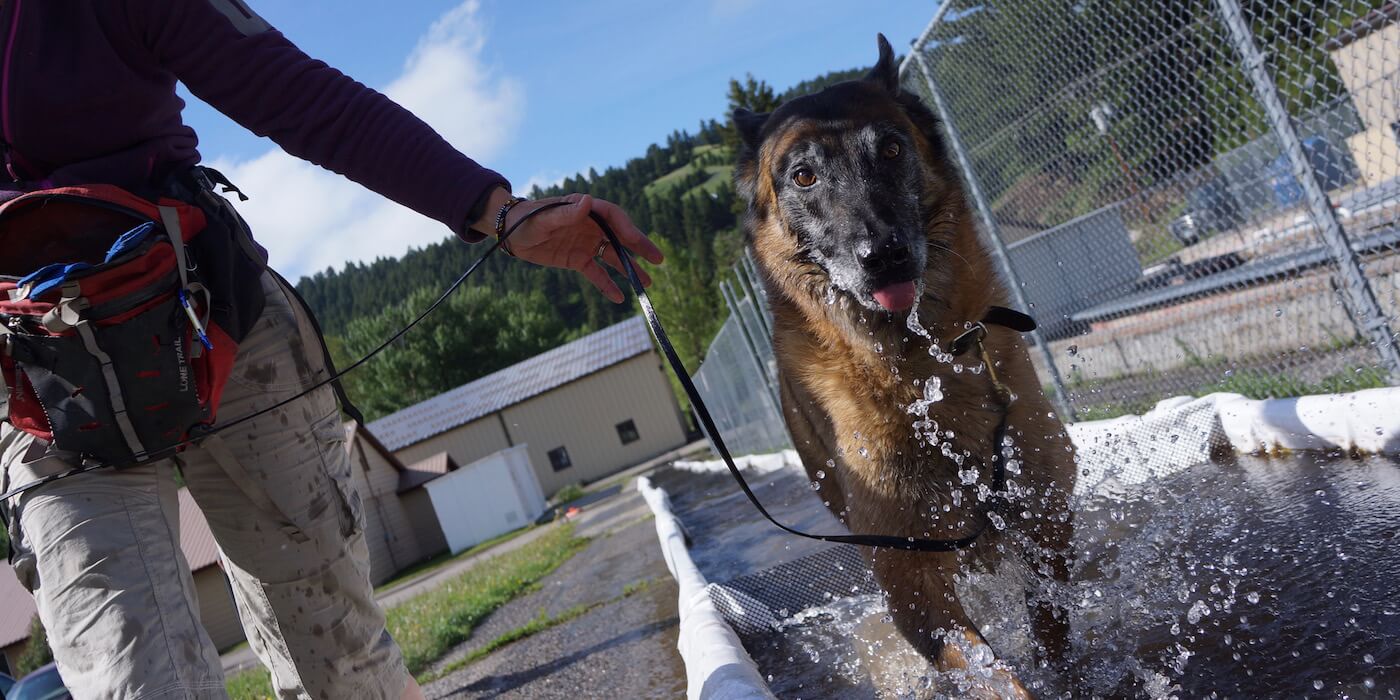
(501, 221)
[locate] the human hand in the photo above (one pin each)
(565, 237)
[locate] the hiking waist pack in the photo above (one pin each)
(120, 317)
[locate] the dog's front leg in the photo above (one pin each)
(926, 611)
(1051, 557)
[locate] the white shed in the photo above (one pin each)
(489, 497)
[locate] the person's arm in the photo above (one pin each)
(233, 60)
(236, 62)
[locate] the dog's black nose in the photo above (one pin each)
(893, 254)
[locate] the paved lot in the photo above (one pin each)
(625, 648)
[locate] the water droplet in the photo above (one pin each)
(816, 485)
(864, 452)
(1318, 685)
(830, 464)
(879, 347)
(1198, 610)
(1369, 659)
(1278, 313)
(1252, 596)
(1072, 350)
(821, 474)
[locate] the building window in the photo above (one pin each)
(627, 431)
(559, 459)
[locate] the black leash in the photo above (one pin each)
(972, 337)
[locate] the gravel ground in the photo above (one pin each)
(624, 649)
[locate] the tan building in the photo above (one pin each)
(1367, 56)
(586, 410)
(398, 530)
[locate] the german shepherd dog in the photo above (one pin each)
(866, 247)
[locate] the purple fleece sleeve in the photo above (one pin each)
(230, 58)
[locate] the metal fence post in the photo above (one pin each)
(993, 233)
(1360, 300)
(732, 300)
(760, 295)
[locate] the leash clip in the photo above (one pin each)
(975, 334)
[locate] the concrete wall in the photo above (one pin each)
(216, 609)
(1271, 319)
(389, 529)
(424, 520)
(582, 417)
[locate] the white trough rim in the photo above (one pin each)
(717, 667)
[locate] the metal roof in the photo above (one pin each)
(514, 384)
(17, 610)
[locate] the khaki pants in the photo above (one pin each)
(101, 554)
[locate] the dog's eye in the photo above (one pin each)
(890, 150)
(804, 177)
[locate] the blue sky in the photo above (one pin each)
(535, 90)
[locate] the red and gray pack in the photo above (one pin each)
(120, 317)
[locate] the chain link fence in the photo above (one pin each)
(737, 376)
(1191, 196)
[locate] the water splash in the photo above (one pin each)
(912, 323)
(926, 428)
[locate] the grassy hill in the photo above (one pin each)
(711, 164)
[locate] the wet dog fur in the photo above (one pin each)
(850, 196)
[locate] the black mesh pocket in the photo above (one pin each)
(157, 401)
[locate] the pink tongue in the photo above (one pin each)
(896, 297)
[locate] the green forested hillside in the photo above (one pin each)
(679, 192)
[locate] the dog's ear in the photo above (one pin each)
(885, 73)
(750, 126)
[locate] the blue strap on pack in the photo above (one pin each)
(53, 275)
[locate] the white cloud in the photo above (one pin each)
(311, 219)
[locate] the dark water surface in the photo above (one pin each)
(1257, 577)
